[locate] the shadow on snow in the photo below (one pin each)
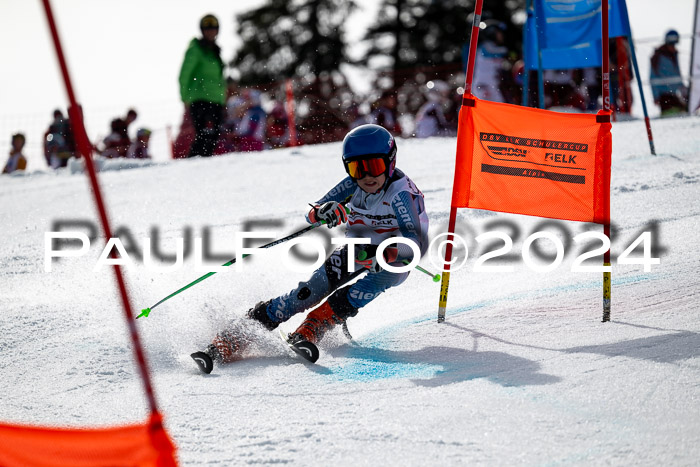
(437, 366)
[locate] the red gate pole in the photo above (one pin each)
(291, 120)
(445, 283)
(607, 286)
(83, 144)
(472, 47)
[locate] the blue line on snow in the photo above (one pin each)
(371, 361)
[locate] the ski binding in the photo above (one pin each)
(305, 349)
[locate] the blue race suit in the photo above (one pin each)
(397, 210)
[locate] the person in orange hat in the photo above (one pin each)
(17, 161)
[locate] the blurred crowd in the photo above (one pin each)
(118, 144)
(222, 117)
(59, 143)
(322, 111)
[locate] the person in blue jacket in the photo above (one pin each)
(383, 203)
(670, 94)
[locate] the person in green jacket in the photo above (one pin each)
(203, 88)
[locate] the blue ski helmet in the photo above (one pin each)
(672, 37)
(370, 142)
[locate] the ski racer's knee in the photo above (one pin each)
(303, 293)
(340, 304)
(259, 313)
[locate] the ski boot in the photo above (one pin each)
(228, 345)
(316, 324)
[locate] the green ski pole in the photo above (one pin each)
(436, 277)
(146, 311)
(362, 255)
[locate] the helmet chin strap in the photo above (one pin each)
(390, 173)
(386, 183)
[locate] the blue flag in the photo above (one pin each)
(568, 32)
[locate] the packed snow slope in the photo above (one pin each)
(522, 372)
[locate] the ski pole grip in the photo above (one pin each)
(347, 211)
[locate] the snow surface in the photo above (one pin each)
(522, 372)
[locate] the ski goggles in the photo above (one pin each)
(209, 22)
(373, 167)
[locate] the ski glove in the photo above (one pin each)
(331, 212)
(366, 256)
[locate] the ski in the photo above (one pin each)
(203, 361)
(305, 349)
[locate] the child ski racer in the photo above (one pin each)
(384, 203)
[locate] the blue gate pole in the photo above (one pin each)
(626, 19)
(526, 57)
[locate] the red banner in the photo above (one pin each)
(145, 445)
(534, 162)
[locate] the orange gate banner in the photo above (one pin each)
(144, 445)
(534, 162)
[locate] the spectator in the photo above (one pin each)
(116, 144)
(451, 108)
(59, 145)
(670, 94)
(236, 107)
(183, 142)
(592, 87)
(251, 130)
(131, 115)
(355, 116)
(490, 63)
(430, 119)
(17, 161)
(384, 113)
(233, 112)
(517, 78)
(561, 90)
(620, 78)
(278, 126)
(321, 117)
(203, 88)
(139, 148)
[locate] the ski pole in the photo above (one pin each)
(436, 277)
(146, 311)
(362, 255)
